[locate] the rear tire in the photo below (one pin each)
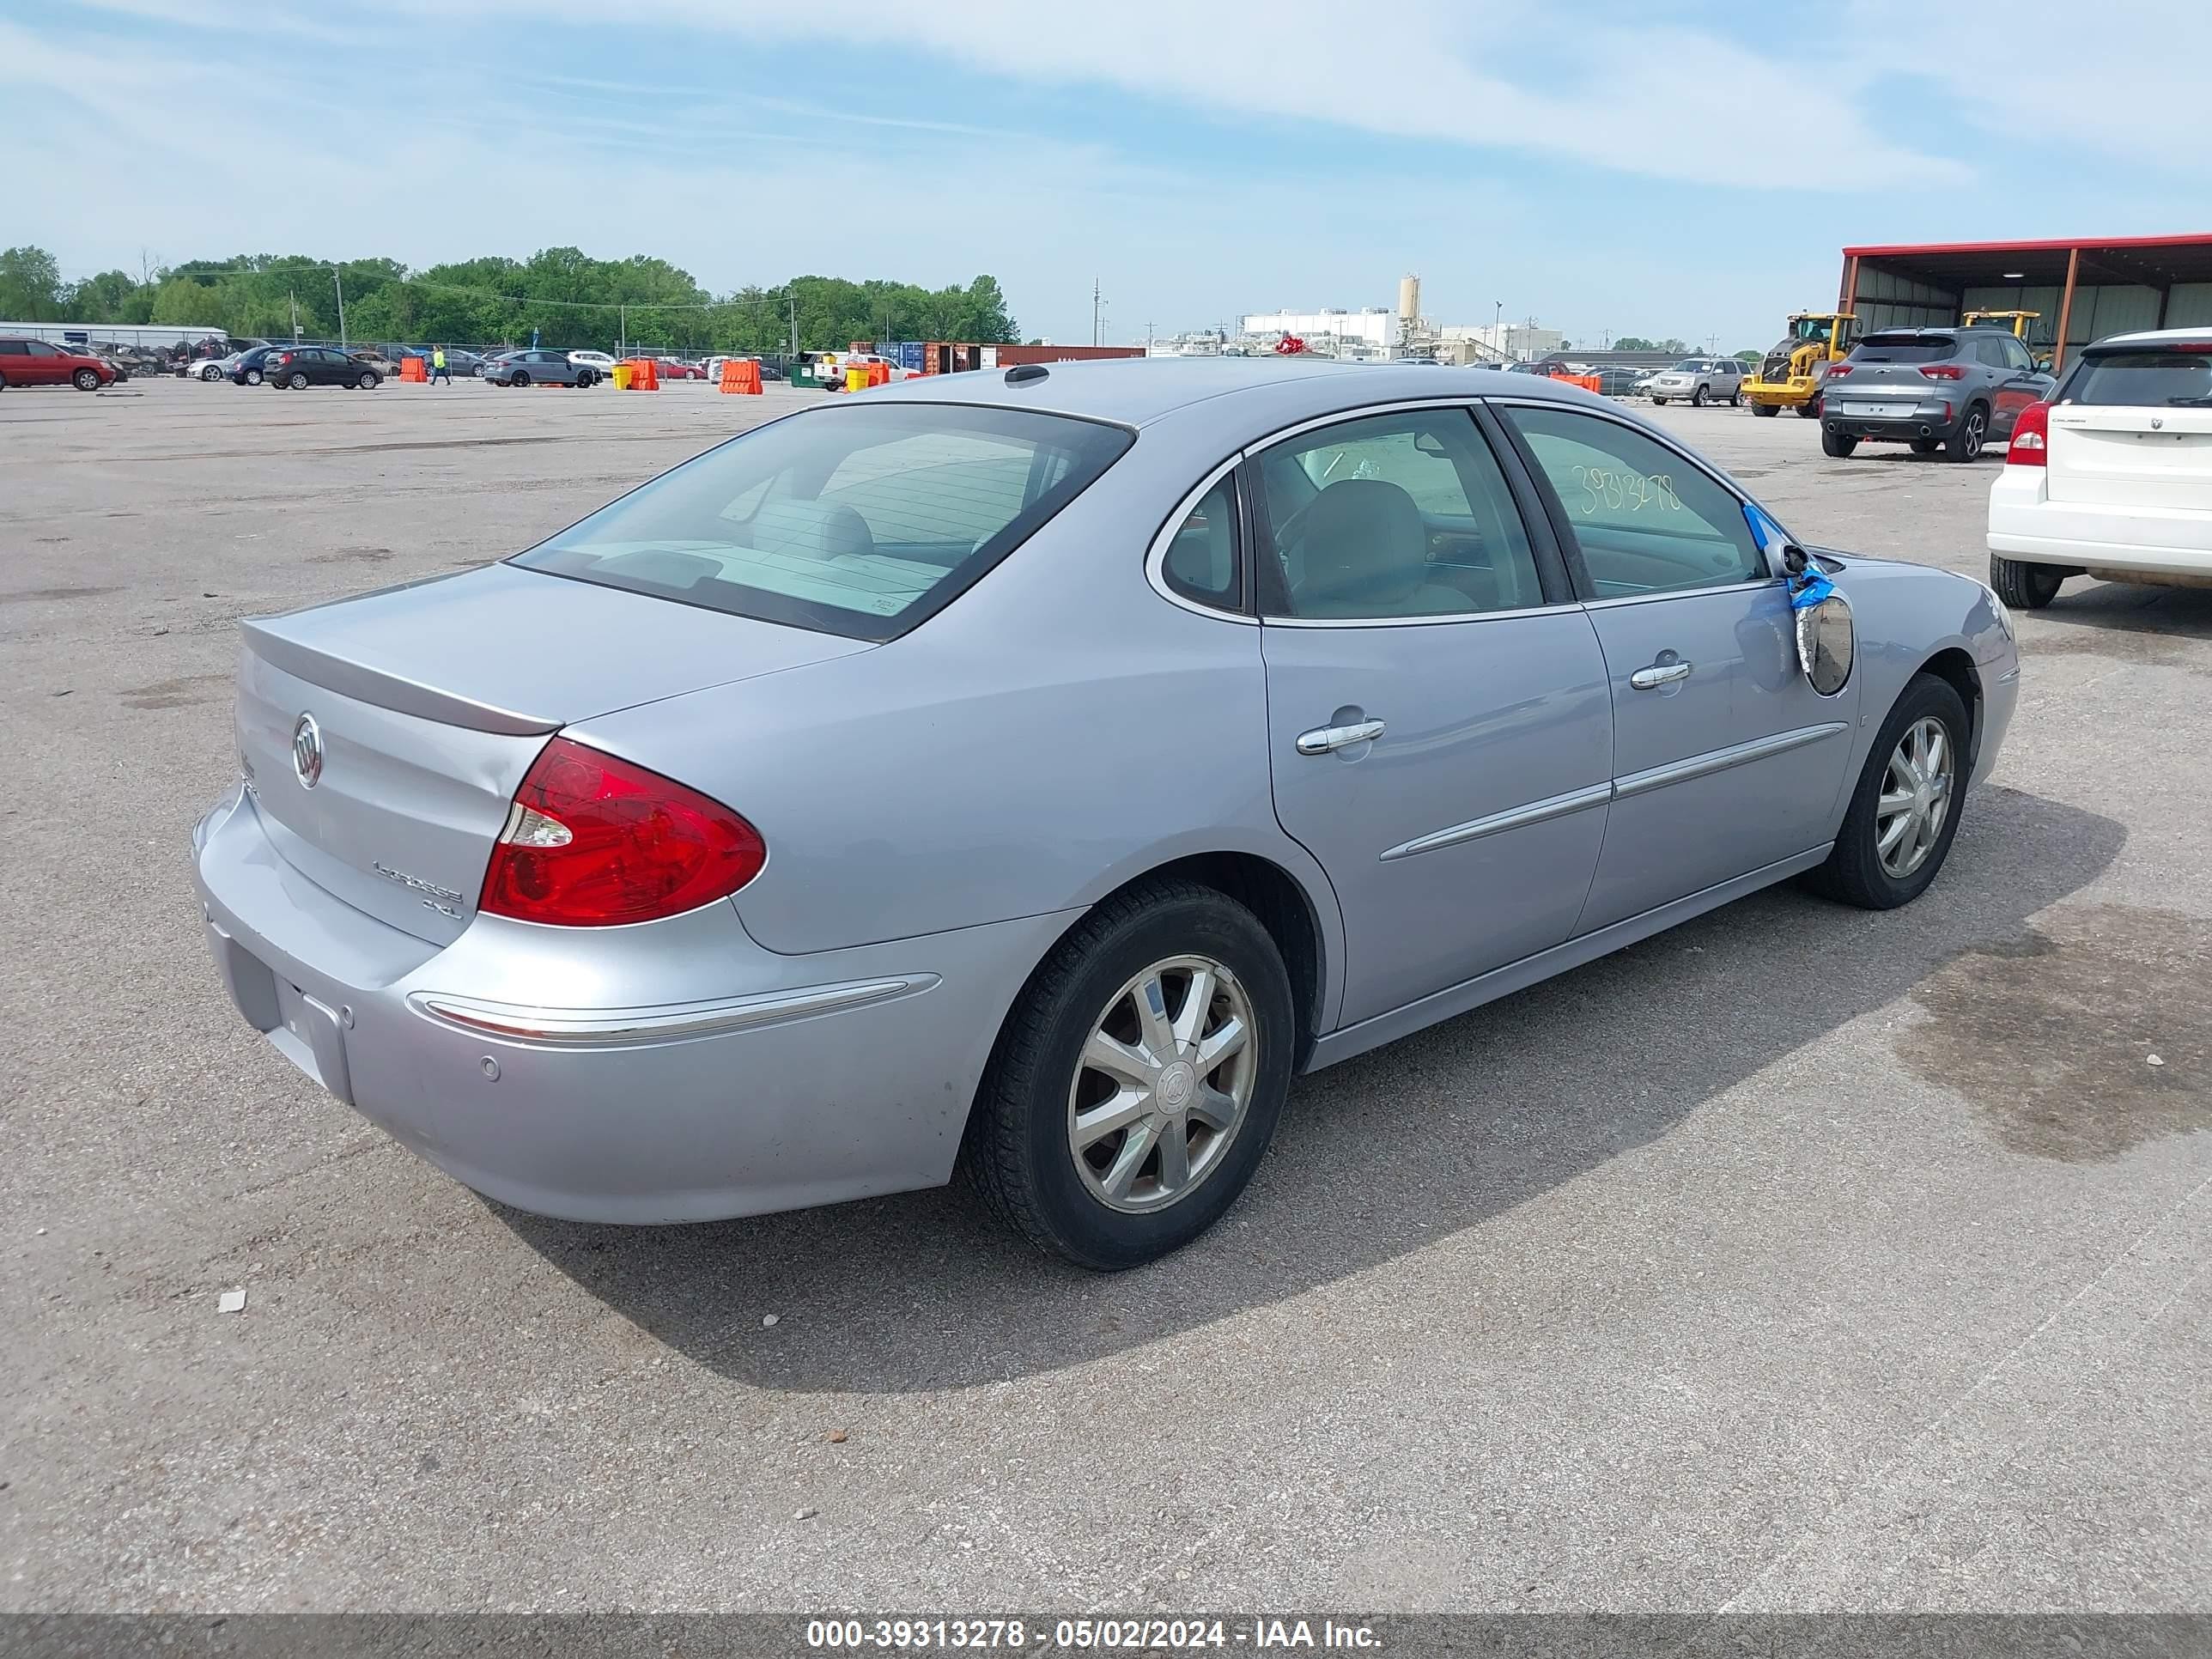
(1840, 446)
(520, 378)
(1925, 445)
(211, 373)
(1965, 444)
(1810, 408)
(1658, 403)
(2025, 587)
(1020, 1153)
(1855, 872)
(1763, 409)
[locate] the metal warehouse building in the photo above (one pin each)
(2084, 289)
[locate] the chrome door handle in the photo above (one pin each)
(1659, 674)
(1326, 739)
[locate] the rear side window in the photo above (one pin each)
(2142, 378)
(861, 521)
(1907, 349)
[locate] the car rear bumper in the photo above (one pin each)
(2024, 525)
(599, 1074)
(1932, 418)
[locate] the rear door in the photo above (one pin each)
(1725, 759)
(16, 363)
(1438, 728)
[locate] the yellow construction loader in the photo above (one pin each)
(1790, 375)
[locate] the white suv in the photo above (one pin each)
(1698, 379)
(2112, 477)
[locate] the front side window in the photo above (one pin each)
(856, 520)
(1647, 521)
(1394, 516)
(42, 349)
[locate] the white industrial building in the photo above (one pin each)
(1523, 341)
(1376, 325)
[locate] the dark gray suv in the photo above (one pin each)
(1953, 389)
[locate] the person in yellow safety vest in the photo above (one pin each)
(438, 369)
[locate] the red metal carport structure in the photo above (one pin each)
(2084, 287)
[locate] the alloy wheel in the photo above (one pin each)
(1916, 798)
(1163, 1084)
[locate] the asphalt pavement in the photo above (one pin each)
(1798, 1259)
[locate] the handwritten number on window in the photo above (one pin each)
(1606, 489)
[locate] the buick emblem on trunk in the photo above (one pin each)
(308, 751)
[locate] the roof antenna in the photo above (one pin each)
(1022, 373)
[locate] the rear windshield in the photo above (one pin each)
(1905, 347)
(857, 520)
(2142, 378)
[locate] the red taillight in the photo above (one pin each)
(1835, 369)
(2031, 437)
(1945, 372)
(594, 841)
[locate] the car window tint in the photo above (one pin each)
(1201, 561)
(14, 348)
(860, 520)
(2142, 380)
(1645, 518)
(1394, 516)
(2017, 353)
(42, 349)
(1907, 349)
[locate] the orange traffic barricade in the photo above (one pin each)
(741, 374)
(412, 368)
(644, 375)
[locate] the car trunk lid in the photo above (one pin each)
(2108, 456)
(382, 738)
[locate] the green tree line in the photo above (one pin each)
(564, 296)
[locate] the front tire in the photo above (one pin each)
(298, 381)
(1765, 409)
(369, 380)
(2025, 587)
(585, 379)
(1965, 444)
(86, 380)
(1839, 445)
(1138, 1080)
(1904, 812)
(1697, 398)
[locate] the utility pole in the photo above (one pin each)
(296, 316)
(1148, 339)
(622, 330)
(794, 299)
(340, 281)
(1095, 303)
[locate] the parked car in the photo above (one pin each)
(214, 368)
(1947, 388)
(298, 367)
(536, 366)
(1615, 382)
(1642, 384)
(769, 897)
(2112, 477)
(1698, 381)
(26, 362)
(248, 370)
(601, 365)
(675, 368)
(772, 366)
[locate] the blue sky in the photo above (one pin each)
(1605, 166)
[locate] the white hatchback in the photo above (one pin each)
(2111, 478)
(597, 361)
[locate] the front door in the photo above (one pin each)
(2020, 382)
(1438, 726)
(47, 365)
(1725, 759)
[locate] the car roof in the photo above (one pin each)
(2153, 336)
(1138, 391)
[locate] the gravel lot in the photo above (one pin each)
(1797, 1259)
